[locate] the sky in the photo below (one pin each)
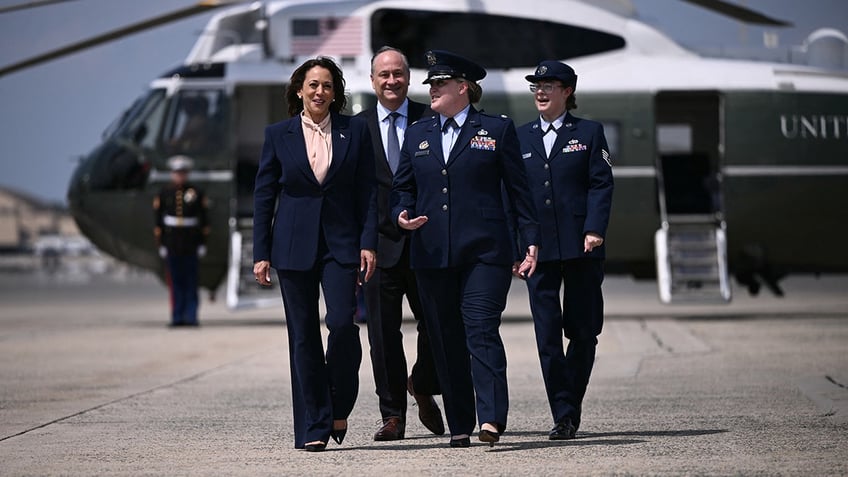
(52, 114)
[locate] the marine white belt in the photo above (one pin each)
(174, 221)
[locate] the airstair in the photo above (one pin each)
(692, 262)
(242, 290)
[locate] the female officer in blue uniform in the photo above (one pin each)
(449, 193)
(570, 174)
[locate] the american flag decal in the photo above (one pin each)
(334, 37)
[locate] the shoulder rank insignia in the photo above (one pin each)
(424, 145)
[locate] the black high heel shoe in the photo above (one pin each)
(317, 446)
(463, 441)
(338, 435)
(487, 436)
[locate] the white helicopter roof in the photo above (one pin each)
(648, 61)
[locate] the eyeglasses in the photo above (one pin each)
(546, 88)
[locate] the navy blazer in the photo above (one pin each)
(343, 206)
(572, 189)
(390, 241)
(464, 199)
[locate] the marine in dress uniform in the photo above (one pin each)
(456, 171)
(387, 122)
(569, 172)
(180, 232)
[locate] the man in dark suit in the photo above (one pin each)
(449, 190)
(569, 171)
(387, 122)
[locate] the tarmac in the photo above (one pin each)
(94, 383)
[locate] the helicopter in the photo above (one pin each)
(722, 167)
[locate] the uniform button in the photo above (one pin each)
(547, 201)
(547, 166)
(444, 172)
(444, 190)
(547, 183)
(445, 207)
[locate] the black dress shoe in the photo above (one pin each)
(392, 430)
(564, 430)
(461, 442)
(428, 411)
(489, 437)
(315, 447)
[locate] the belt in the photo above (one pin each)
(174, 221)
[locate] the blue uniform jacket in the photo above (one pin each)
(344, 206)
(573, 189)
(464, 199)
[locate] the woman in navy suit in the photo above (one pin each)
(317, 171)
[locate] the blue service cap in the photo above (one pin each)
(550, 69)
(445, 65)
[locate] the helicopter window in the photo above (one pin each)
(145, 115)
(195, 123)
(494, 41)
(122, 163)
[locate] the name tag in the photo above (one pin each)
(526, 155)
(422, 153)
(483, 143)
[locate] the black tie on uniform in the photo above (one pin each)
(449, 123)
(551, 128)
(393, 146)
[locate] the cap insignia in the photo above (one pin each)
(431, 58)
(542, 70)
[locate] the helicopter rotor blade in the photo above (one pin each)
(31, 4)
(200, 7)
(739, 12)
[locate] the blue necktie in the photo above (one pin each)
(393, 146)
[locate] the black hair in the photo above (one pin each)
(299, 75)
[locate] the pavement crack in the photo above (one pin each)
(835, 382)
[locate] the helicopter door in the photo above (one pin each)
(257, 106)
(691, 249)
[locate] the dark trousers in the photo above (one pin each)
(579, 317)
(182, 273)
(384, 300)
(324, 386)
(463, 307)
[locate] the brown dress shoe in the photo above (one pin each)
(428, 411)
(392, 430)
